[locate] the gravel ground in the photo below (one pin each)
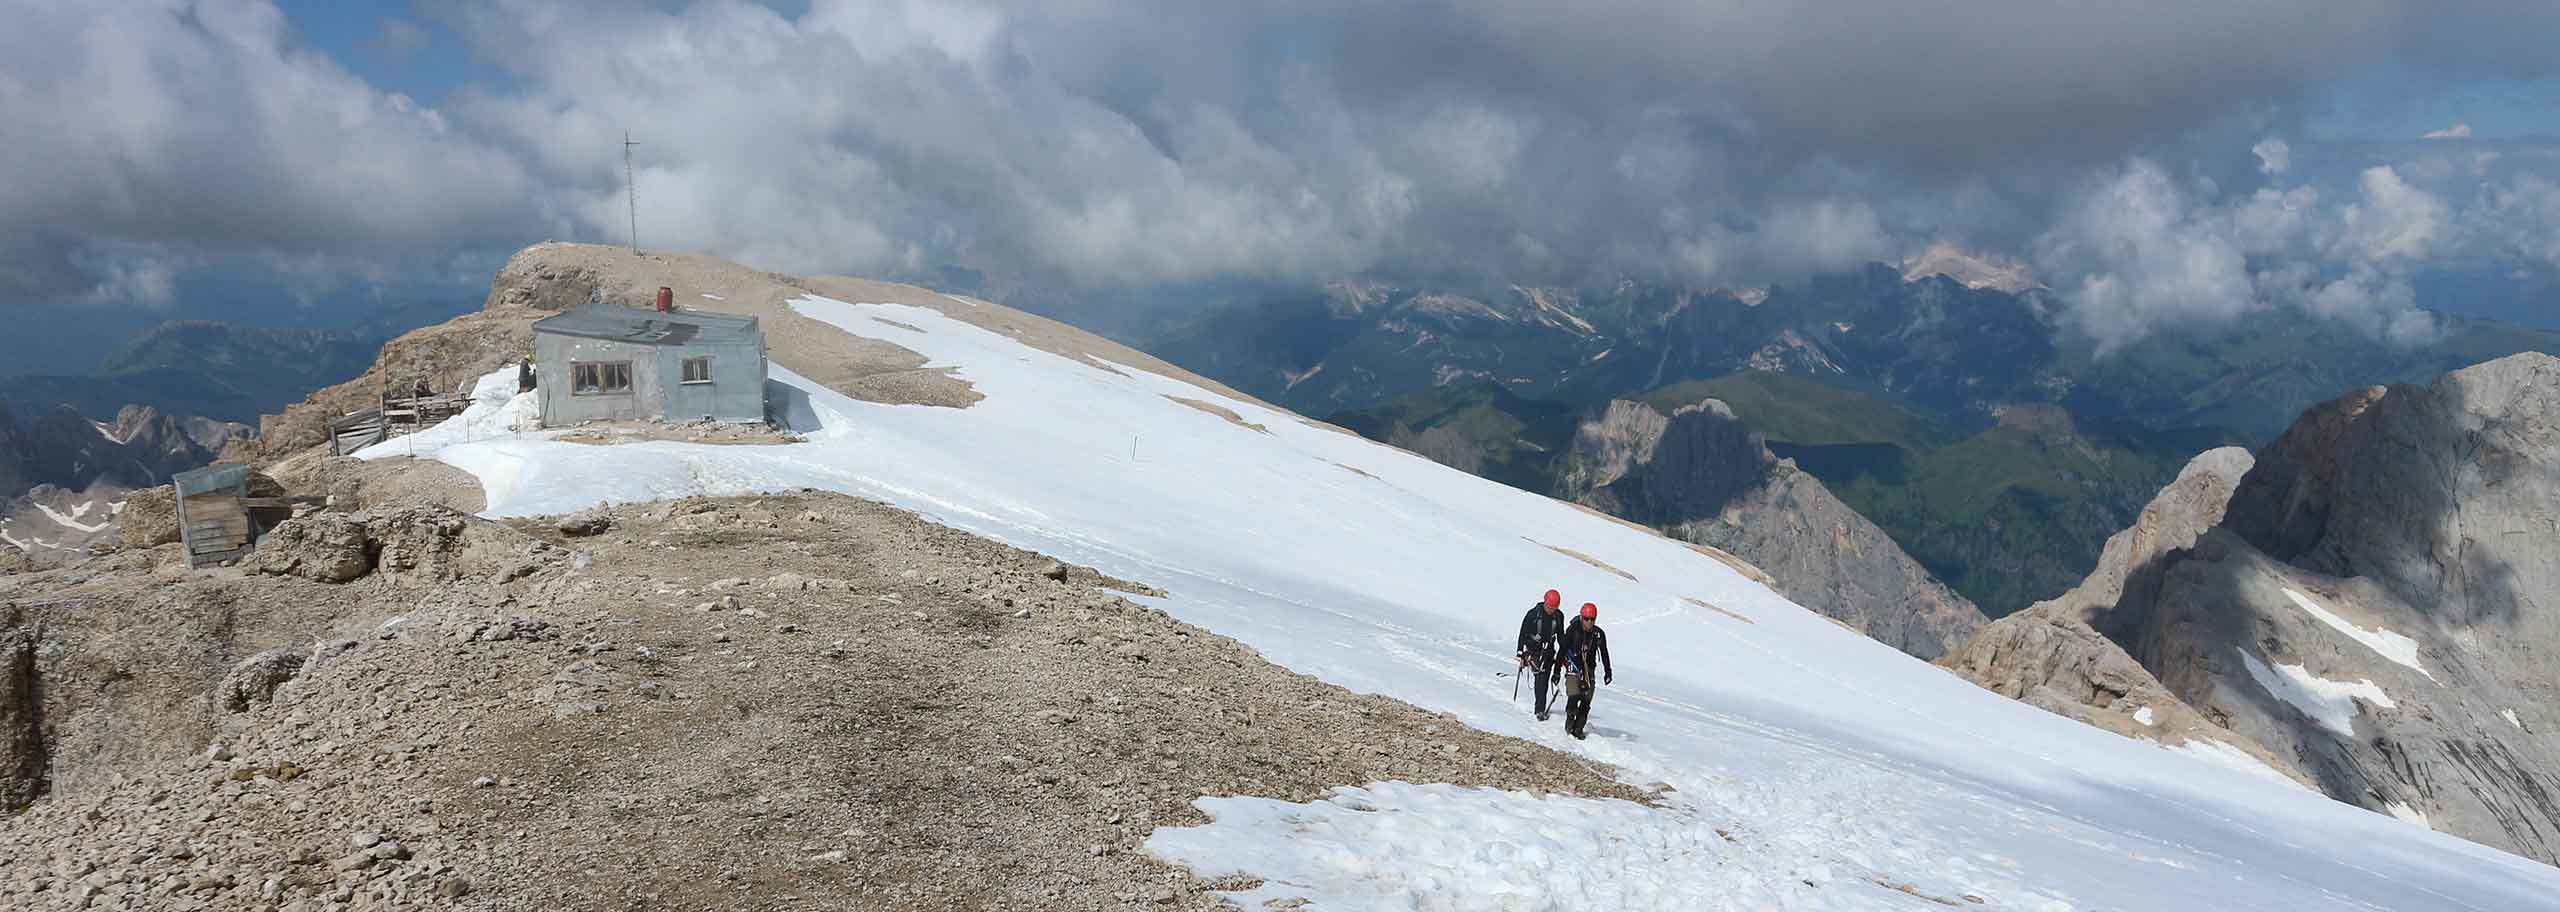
(794, 702)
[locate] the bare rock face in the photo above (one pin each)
(530, 279)
(2050, 659)
(1704, 477)
(150, 518)
(2371, 605)
(414, 545)
(426, 545)
(2172, 521)
(321, 547)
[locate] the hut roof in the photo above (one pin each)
(649, 327)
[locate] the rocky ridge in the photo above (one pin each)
(2368, 606)
(2051, 657)
(1702, 476)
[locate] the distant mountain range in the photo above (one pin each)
(213, 370)
(168, 400)
(1996, 448)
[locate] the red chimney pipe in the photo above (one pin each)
(666, 299)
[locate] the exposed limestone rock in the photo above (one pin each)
(1704, 477)
(2371, 608)
(422, 545)
(431, 545)
(2128, 567)
(2049, 659)
(322, 547)
(590, 521)
(150, 518)
(530, 279)
(253, 682)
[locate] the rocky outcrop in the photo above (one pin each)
(253, 682)
(2128, 566)
(2370, 605)
(321, 547)
(415, 545)
(533, 279)
(2048, 658)
(1702, 476)
(2051, 657)
(149, 518)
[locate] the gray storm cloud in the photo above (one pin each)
(1109, 144)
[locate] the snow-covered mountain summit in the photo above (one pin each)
(1806, 766)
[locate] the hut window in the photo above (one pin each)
(599, 378)
(697, 369)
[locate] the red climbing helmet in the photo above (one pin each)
(1554, 598)
(1590, 611)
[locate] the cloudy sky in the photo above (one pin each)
(2173, 160)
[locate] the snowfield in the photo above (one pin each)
(1810, 768)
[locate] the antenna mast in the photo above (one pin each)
(630, 193)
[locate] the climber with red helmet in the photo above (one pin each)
(1583, 646)
(1537, 647)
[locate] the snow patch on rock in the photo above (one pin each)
(2384, 643)
(72, 520)
(2332, 704)
(2143, 716)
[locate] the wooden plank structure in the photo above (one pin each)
(356, 430)
(219, 519)
(405, 408)
(212, 522)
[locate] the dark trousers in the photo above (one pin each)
(1542, 669)
(1577, 701)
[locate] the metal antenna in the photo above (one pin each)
(630, 194)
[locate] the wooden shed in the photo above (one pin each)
(213, 514)
(224, 509)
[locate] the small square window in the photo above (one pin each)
(599, 378)
(697, 369)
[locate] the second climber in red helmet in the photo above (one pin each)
(1583, 646)
(1538, 633)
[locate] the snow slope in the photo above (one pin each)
(1810, 768)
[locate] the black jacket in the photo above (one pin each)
(1538, 630)
(1581, 647)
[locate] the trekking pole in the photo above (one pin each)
(1515, 685)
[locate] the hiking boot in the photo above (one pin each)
(1542, 715)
